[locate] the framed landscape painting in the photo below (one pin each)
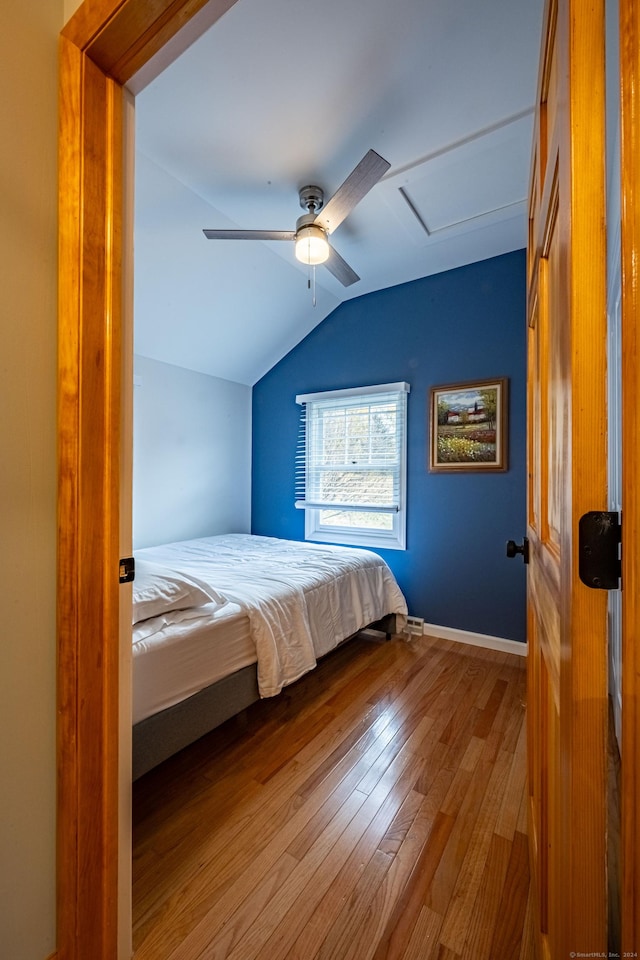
(469, 426)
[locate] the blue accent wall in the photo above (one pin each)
(461, 325)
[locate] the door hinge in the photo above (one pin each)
(127, 569)
(599, 536)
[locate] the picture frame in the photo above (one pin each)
(469, 426)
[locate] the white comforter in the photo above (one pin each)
(301, 599)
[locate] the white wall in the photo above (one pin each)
(28, 267)
(191, 454)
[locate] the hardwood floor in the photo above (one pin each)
(376, 809)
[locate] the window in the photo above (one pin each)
(351, 465)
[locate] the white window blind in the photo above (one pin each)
(350, 469)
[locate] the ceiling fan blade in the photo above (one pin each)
(355, 187)
(249, 234)
(340, 268)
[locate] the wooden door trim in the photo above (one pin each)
(101, 47)
(88, 463)
(585, 873)
(630, 254)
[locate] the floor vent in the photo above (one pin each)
(415, 626)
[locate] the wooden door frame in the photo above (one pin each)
(104, 45)
(630, 278)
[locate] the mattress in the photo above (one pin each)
(180, 653)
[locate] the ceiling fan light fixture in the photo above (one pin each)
(312, 246)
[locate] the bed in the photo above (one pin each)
(219, 622)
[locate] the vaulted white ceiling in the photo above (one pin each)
(283, 93)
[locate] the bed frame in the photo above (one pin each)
(160, 736)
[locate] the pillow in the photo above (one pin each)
(157, 590)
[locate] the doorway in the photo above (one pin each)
(102, 48)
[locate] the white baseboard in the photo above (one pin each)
(476, 639)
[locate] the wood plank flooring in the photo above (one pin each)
(375, 810)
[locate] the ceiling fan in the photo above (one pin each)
(320, 220)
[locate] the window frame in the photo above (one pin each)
(394, 539)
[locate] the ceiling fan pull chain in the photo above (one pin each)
(312, 273)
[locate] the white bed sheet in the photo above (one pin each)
(180, 653)
(301, 599)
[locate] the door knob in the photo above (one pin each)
(513, 549)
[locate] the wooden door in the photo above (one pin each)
(567, 684)
(630, 258)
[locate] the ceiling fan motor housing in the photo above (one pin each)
(306, 220)
(311, 198)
